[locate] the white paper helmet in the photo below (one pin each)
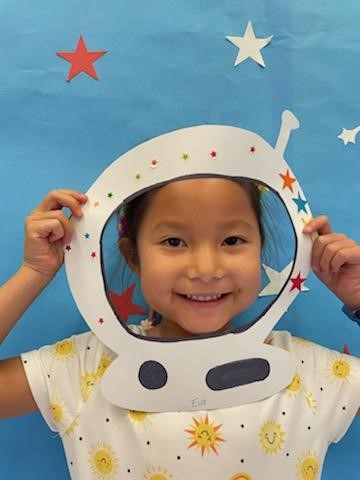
(198, 373)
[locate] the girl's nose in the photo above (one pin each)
(205, 265)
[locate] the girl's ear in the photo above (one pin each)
(129, 254)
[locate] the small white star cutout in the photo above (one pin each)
(249, 46)
(349, 135)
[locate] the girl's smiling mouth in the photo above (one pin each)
(208, 299)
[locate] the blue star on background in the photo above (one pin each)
(301, 203)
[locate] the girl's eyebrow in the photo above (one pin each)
(170, 224)
(176, 225)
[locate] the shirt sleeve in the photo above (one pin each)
(62, 377)
(334, 378)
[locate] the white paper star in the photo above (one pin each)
(277, 280)
(249, 46)
(349, 135)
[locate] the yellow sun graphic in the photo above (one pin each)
(241, 476)
(88, 381)
(72, 427)
(295, 386)
(103, 462)
(139, 418)
(105, 361)
(308, 467)
(340, 369)
(204, 435)
(271, 437)
(58, 410)
(302, 341)
(157, 473)
(310, 400)
(64, 350)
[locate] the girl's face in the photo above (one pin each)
(199, 251)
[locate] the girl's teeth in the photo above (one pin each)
(204, 298)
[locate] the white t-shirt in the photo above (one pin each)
(283, 437)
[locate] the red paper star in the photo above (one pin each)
(213, 153)
(81, 60)
(288, 180)
(252, 149)
(297, 282)
(123, 304)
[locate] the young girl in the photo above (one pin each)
(198, 268)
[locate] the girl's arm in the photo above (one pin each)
(336, 262)
(47, 230)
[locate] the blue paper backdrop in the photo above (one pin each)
(167, 66)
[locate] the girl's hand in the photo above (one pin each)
(336, 261)
(48, 229)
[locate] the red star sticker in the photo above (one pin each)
(297, 282)
(123, 304)
(288, 180)
(93, 254)
(154, 163)
(81, 60)
(101, 321)
(213, 153)
(252, 149)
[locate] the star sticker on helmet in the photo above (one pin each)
(301, 203)
(297, 282)
(288, 180)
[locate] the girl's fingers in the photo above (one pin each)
(58, 199)
(328, 253)
(53, 225)
(349, 255)
(320, 224)
(51, 229)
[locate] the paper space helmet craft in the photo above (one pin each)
(215, 371)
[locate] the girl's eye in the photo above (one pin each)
(231, 241)
(173, 242)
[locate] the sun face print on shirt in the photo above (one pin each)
(241, 476)
(88, 381)
(103, 461)
(157, 473)
(339, 369)
(308, 466)
(204, 435)
(140, 419)
(296, 388)
(105, 361)
(271, 437)
(58, 410)
(303, 341)
(72, 427)
(64, 350)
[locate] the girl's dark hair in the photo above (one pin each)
(134, 211)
